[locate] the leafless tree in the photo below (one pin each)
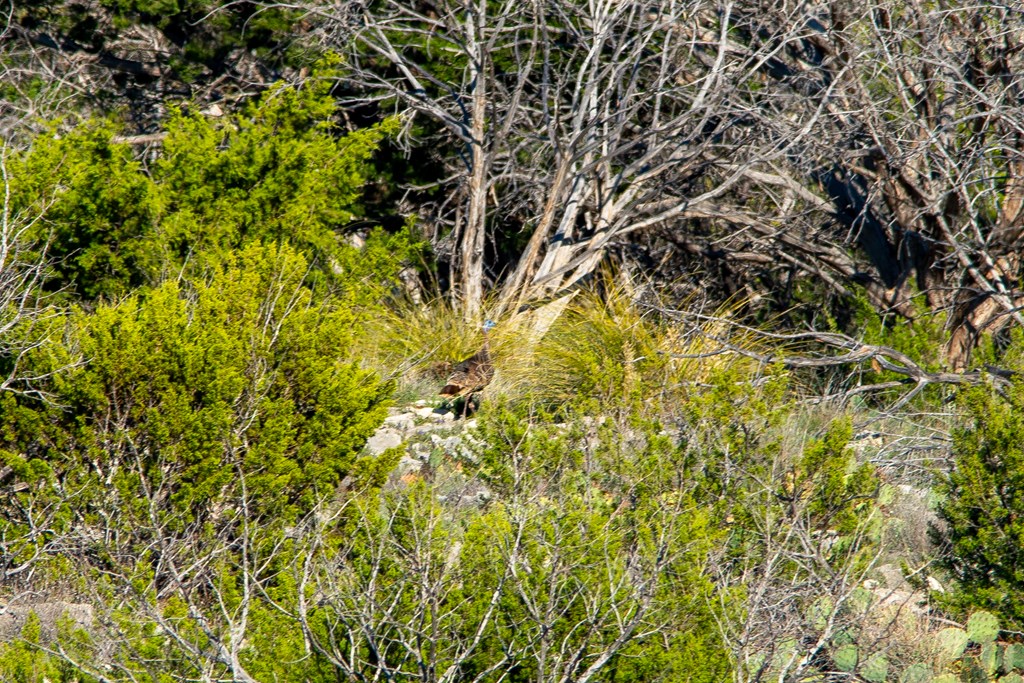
(28, 318)
(916, 147)
(438, 60)
(840, 143)
(581, 119)
(872, 148)
(213, 582)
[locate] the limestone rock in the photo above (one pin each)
(382, 440)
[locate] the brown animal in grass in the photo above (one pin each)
(471, 375)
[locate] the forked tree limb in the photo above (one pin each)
(850, 351)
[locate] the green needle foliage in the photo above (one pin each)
(279, 171)
(192, 389)
(208, 416)
(984, 505)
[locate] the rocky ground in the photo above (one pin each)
(438, 445)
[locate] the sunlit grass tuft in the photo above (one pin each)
(610, 347)
(604, 346)
(416, 344)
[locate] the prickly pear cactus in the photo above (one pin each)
(971, 671)
(985, 661)
(860, 600)
(951, 643)
(875, 669)
(916, 673)
(991, 658)
(982, 627)
(843, 637)
(819, 612)
(846, 657)
(1013, 658)
(785, 651)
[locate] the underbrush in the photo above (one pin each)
(642, 496)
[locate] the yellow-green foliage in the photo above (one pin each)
(414, 340)
(608, 347)
(279, 171)
(579, 531)
(188, 386)
(197, 400)
(24, 661)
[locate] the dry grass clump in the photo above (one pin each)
(608, 346)
(600, 344)
(408, 338)
(416, 344)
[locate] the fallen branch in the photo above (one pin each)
(852, 351)
(139, 139)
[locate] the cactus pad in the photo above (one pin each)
(1014, 657)
(982, 627)
(951, 643)
(875, 669)
(820, 611)
(846, 657)
(916, 673)
(860, 600)
(991, 658)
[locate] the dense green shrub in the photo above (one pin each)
(279, 171)
(194, 388)
(205, 418)
(984, 504)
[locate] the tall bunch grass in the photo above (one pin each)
(604, 346)
(612, 348)
(417, 343)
